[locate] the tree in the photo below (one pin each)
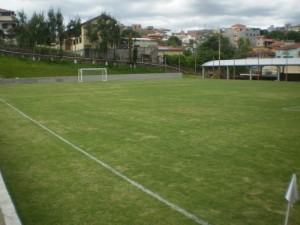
(91, 32)
(1, 34)
(135, 54)
(74, 29)
(293, 35)
(129, 32)
(21, 29)
(264, 32)
(37, 30)
(174, 41)
(51, 23)
(278, 35)
(104, 31)
(244, 47)
(128, 35)
(60, 29)
(109, 32)
(211, 47)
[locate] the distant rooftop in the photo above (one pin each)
(289, 47)
(255, 62)
(5, 10)
(238, 25)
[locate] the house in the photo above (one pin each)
(7, 22)
(155, 36)
(144, 42)
(165, 50)
(81, 45)
(264, 42)
(262, 52)
(136, 27)
(288, 51)
(238, 31)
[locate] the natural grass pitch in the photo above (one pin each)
(222, 150)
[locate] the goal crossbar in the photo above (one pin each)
(97, 71)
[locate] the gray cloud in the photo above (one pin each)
(173, 14)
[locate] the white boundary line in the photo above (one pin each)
(293, 109)
(10, 215)
(124, 177)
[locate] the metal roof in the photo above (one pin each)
(255, 62)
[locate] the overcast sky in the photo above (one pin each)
(176, 15)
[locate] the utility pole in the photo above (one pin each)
(219, 72)
(195, 65)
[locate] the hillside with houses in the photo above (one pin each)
(106, 37)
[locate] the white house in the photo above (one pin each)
(288, 51)
(7, 21)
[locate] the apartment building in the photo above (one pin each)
(7, 22)
(238, 31)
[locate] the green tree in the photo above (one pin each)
(278, 35)
(51, 23)
(264, 32)
(210, 48)
(1, 34)
(129, 32)
(37, 30)
(60, 29)
(174, 41)
(74, 28)
(91, 33)
(243, 48)
(21, 29)
(135, 54)
(127, 35)
(293, 35)
(109, 31)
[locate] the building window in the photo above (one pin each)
(4, 26)
(6, 14)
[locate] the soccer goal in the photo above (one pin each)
(91, 72)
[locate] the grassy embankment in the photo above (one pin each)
(12, 67)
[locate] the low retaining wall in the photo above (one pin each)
(8, 214)
(150, 76)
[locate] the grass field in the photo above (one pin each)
(222, 150)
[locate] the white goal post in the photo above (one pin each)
(92, 71)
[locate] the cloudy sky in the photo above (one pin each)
(176, 15)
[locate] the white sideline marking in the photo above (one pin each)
(294, 109)
(129, 180)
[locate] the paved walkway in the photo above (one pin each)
(8, 215)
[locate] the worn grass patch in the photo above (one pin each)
(223, 150)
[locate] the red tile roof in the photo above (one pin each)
(238, 25)
(289, 47)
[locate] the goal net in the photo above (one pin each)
(85, 72)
